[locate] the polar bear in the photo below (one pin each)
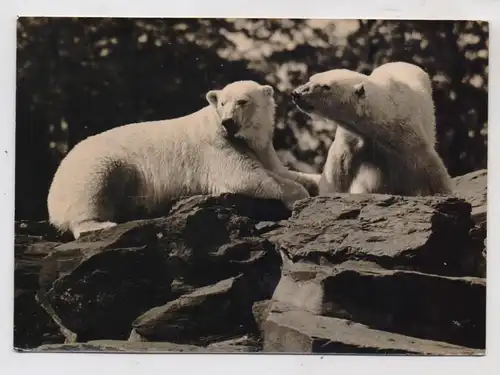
(409, 81)
(238, 102)
(385, 140)
(136, 170)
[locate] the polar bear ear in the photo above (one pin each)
(359, 90)
(212, 97)
(268, 90)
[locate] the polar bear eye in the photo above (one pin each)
(222, 104)
(242, 102)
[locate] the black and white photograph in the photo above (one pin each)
(251, 185)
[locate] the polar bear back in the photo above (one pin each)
(149, 146)
(158, 160)
(410, 91)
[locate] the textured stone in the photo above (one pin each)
(408, 302)
(221, 310)
(473, 187)
(241, 344)
(117, 274)
(119, 346)
(295, 331)
(32, 325)
(358, 274)
(41, 230)
(206, 240)
(244, 344)
(260, 310)
(102, 295)
(428, 234)
(255, 209)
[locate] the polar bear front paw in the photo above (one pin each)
(293, 192)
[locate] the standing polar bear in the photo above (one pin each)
(385, 140)
(235, 106)
(138, 169)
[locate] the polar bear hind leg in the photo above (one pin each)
(105, 193)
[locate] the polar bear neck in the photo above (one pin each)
(263, 124)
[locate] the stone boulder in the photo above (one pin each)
(298, 331)
(242, 344)
(473, 188)
(221, 310)
(427, 234)
(407, 302)
(340, 274)
(96, 287)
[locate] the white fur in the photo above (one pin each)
(385, 137)
(412, 89)
(138, 169)
(367, 179)
(249, 99)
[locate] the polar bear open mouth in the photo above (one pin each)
(303, 105)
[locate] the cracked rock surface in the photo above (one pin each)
(340, 274)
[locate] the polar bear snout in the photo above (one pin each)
(300, 98)
(230, 125)
(306, 89)
(300, 92)
(295, 95)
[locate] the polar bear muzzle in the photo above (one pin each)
(230, 125)
(300, 100)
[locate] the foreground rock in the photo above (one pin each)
(32, 325)
(343, 274)
(412, 303)
(241, 345)
(95, 288)
(221, 310)
(473, 188)
(296, 331)
(427, 234)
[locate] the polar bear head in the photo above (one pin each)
(360, 103)
(338, 95)
(246, 110)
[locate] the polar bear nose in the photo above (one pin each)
(300, 91)
(230, 125)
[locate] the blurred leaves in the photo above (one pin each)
(80, 76)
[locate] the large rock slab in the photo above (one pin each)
(103, 294)
(369, 274)
(241, 344)
(32, 325)
(295, 331)
(244, 344)
(97, 286)
(407, 302)
(427, 234)
(203, 316)
(208, 239)
(254, 209)
(42, 230)
(119, 346)
(473, 187)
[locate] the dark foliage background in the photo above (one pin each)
(80, 76)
